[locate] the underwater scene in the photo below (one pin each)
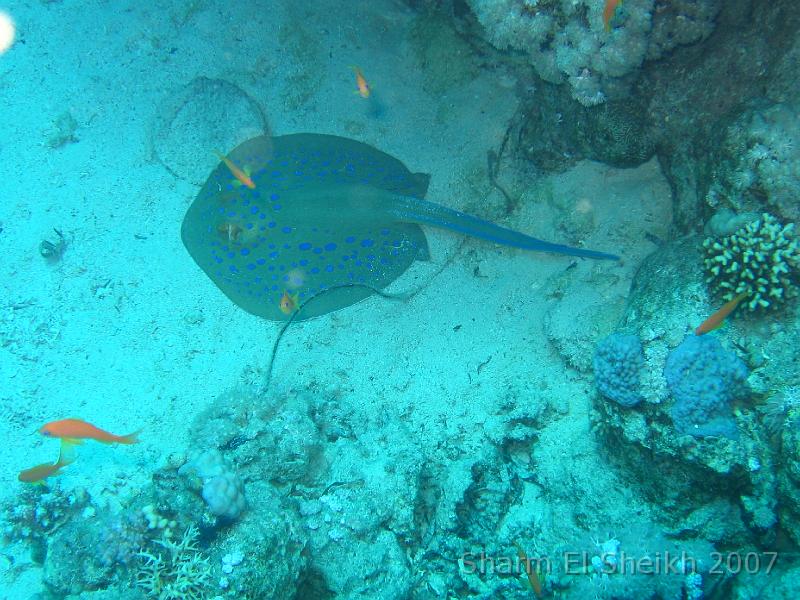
(400, 299)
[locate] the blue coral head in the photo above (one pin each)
(704, 379)
(618, 361)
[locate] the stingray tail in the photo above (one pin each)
(420, 211)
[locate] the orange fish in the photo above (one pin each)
(75, 430)
(608, 12)
(715, 321)
(242, 176)
(41, 472)
(363, 86)
(533, 576)
(288, 303)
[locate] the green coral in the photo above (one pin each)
(183, 574)
(761, 260)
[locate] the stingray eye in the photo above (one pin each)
(46, 432)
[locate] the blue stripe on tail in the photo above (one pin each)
(416, 210)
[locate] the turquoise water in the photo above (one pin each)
(433, 439)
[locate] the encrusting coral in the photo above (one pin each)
(760, 260)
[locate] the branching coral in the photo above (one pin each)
(183, 574)
(761, 260)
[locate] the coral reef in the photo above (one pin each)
(758, 163)
(181, 573)
(121, 538)
(566, 40)
(37, 512)
(704, 379)
(760, 260)
(222, 489)
(618, 361)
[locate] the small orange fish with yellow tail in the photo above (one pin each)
(41, 472)
(716, 320)
(288, 303)
(608, 12)
(361, 83)
(533, 575)
(242, 176)
(75, 431)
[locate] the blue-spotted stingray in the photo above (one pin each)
(327, 218)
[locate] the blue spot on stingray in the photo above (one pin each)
(397, 243)
(385, 261)
(254, 210)
(233, 269)
(329, 268)
(271, 224)
(317, 250)
(285, 278)
(244, 251)
(330, 246)
(271, 246)
(274, 197)
(276, 174)
(286, 246)
(359, 263)
(249, 226)
(366, 243)
(274, 288)
(384, 231)
(231, 213)
(315, 270)
(250, 266)
(350, 239)
(261, 261)
(262, 216)
(276, 207)
(395, 252)
(305, 246)
(286, 229)
(271, 268)
(273, 255)
(231, 254)
(303, 262)
(218, 259)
